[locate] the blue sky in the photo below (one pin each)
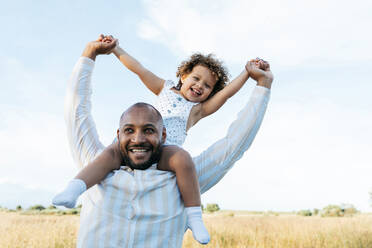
(312, 148)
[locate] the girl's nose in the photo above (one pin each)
(199, 85)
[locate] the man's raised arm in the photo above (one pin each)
(81, 130)
(218, 159)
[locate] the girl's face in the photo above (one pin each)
(198, 84)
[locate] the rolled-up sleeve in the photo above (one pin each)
(218, 159)
(81, 130)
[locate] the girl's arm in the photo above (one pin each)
(152, 82)
(97, 170)
(210, 106)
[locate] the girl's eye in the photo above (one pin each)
(207, 86)
(196, 78)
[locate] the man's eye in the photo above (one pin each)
(128, 130)
(149, 130)
(196, 78)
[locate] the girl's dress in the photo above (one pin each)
(175, 111)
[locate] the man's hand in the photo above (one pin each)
(98, 47)
(259, 70)
(109, 39)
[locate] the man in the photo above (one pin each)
(143, 208)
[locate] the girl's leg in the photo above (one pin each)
(90, 175)
(180, 162)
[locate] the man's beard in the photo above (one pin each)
(155, 157)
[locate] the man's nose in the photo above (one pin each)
(138, 137)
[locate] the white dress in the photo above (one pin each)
(175, 111)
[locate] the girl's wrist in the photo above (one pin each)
(116, 51)
(246, 71)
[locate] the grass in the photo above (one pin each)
(227, 230)
(270, 231)
(20, 230)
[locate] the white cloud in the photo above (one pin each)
(289, 32)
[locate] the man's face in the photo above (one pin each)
(141, 135)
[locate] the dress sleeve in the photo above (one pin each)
(212, 164)
(169, 84)
(81, 130)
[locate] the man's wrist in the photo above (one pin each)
(265, 82)
(89, 52)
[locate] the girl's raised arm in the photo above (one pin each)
(257, 68)
(152, 82)
(215, 102)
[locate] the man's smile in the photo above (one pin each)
(139, 151)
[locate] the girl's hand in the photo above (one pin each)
(108, 39)
(260, 63)
(97, 47)
(259, 70)
(257, 63)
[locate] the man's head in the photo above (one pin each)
(141, 135)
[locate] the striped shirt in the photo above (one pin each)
(143, 208)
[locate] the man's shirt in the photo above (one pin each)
(143, 208)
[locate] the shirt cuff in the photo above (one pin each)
(261, 91)
(88, 62)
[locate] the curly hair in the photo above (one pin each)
(214, 65)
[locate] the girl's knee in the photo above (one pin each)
(182, 161)
(177, 158)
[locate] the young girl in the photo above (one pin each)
(199, 92)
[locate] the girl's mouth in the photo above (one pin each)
(195, 91)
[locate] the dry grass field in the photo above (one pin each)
(285, 231)
(227, 231)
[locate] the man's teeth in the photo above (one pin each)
(138, 150)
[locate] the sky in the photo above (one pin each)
(312, 148)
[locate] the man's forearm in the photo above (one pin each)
(89, 52)
(81, 131)
(265, 82)
(213, 164)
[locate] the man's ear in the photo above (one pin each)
(163, 135)
(117, 133)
